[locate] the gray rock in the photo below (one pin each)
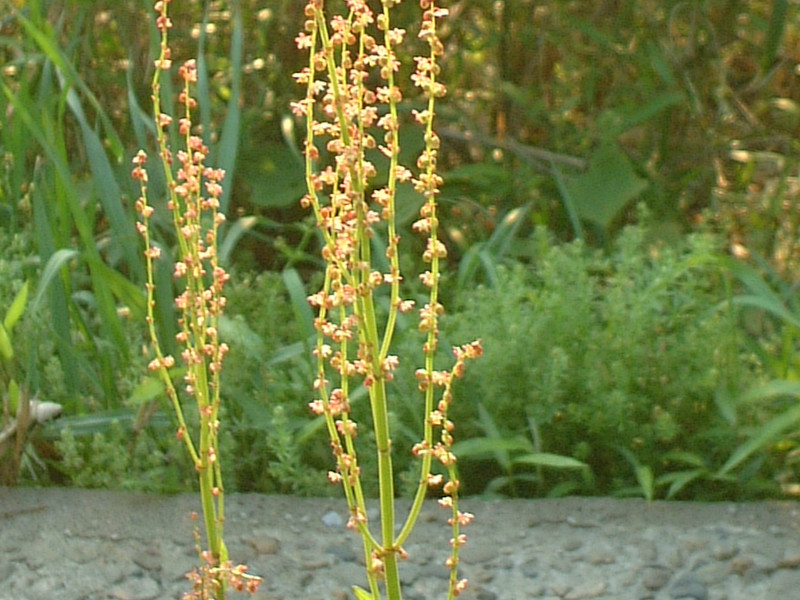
(689, 587)
(655, 578)
(333, 519)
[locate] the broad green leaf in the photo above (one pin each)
(256, 414)
(263, 167)
(81, 221)
(607, 187)
(762, 295)
(16, 309)
(546, 459)
(407, 203)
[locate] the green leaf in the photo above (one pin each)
(122, 288)
(569, 203)
(16, 309)
(776, 387)
(607, 187)
(150, 389)
(761, 438)
(645, 112)
(687, 458)
(362, 594)
(227, 152)
(489, 426)
(6, 349)
(761, 296)
(51, 271)
(264, 168)
(563, 489)
(236, 332)
(644, 475)
(546, 459)
(487, 447)
(106, 186)
(291, 351)
(680, 480)
(302, 309)
(102, 422)
(502, 237)
(233, 233)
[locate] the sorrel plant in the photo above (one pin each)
(343, 115)
(193, 191)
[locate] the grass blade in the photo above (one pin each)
(300, 306)
(761, 438)
(228, 148)
(46, 42)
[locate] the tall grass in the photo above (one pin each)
(43, 98)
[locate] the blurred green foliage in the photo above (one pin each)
(608, 358)
(561, 115)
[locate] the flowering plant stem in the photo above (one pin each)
(193, 192)
(352, 345)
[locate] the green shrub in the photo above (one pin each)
(265, 393)
(113, 460)
(623, 361)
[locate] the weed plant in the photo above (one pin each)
(351, 108)
(194, 193)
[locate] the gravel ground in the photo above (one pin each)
(79, 544)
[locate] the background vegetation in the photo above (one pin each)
(627, 351)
